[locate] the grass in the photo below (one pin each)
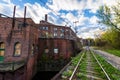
(113, 51)
(68, 72)
(82, 69)
(112, 72)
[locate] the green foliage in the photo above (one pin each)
(113, 73)
(114, 52)
(111, 36)
(66, 74)
(110, 16)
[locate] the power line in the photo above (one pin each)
(54, 11)
(76, 31)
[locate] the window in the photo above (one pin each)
(55, 34)
(46, 50)
(62, 33)
(40, 28)
(46, 28)
(55, 29)
(32, 49)
(43, 28)
(17, 49)
(2, 51)
(62, 30)
(20, 25)
(56, 50)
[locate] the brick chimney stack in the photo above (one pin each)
(46, 17)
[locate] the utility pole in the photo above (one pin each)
(75, 22)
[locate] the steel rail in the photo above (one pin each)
(101, 66)
(71, 77)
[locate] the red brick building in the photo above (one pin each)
(56, 41)
(22, 43)
(18, 48)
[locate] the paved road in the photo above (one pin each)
(112, 59)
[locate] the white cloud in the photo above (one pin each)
(86, 35)
(36, 11)
(110, 2)
(93, 20)
(7, 1)
(87, 26)
(66, 5)
(6, 8)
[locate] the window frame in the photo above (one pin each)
(14, 52)
(2, 49)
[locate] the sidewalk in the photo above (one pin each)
(112, 59)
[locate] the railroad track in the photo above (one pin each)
(91, 64)
(88, 67)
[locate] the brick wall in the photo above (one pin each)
(27, 36)
(64, 46)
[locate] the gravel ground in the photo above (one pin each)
(112, 59)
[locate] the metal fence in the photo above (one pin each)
(11, 66)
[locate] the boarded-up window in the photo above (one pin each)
(17, 49)
(56, 50)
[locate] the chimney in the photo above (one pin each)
(25, 16)
(13, 22)
(46, 17)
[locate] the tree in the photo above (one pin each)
(111, 36)
(110, 16)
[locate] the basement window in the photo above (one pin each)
(56, 50)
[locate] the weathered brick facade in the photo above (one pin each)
(23, 42)
(54, 37)
(27, 36)
(63, 46)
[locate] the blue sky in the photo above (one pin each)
(61, 12)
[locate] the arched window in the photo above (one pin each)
(2, 51)
(17, 49)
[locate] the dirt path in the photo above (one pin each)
(112, 59)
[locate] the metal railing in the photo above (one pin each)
(11, 66)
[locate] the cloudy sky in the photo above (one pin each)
(61, 12)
